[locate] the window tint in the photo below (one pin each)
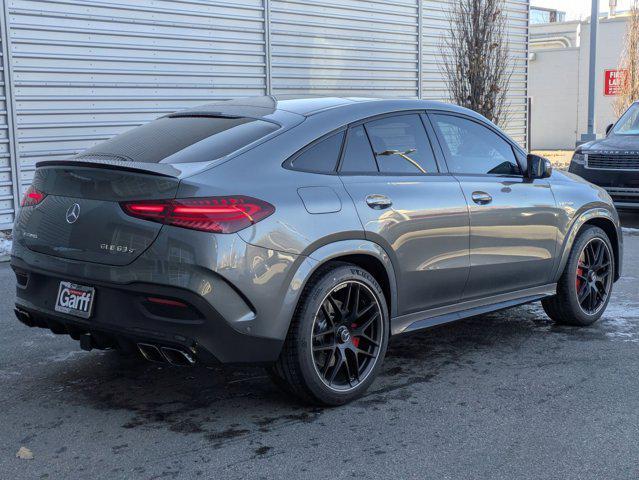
(158, 141)
(401, 145)
(473, 148)
(321, 157)
(358, 155)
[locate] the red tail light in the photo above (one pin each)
(32, 197)
(212, 214)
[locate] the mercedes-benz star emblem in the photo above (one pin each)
(73, 213)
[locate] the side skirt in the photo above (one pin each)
(470, 308)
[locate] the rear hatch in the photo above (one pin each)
(80, 217)
(76, 212)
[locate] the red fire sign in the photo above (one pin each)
(614, 81)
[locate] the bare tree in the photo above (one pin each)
(629, 65)
(477, 63)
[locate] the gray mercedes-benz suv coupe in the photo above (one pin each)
(301, 234)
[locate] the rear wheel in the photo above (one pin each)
(584, 289)
(337, 339)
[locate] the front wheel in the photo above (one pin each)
(584, 289)
(337, 339)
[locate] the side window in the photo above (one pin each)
(401, 145)
(473, 148)
(321, 157)
(358, 155)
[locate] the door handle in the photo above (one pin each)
(378, 202)
(481, 198)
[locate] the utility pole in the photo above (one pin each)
(592, 74)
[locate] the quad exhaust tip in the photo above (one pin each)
(173, 356)
(24, 317)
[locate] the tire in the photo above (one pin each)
(332, 355)
(565, 307)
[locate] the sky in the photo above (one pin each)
(579, 9)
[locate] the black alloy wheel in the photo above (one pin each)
(585, 286)
(594, 276)
(338, 337)
(346, 335)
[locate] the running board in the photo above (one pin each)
(470, 308)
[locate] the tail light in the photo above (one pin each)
(32, 197)
(211, 214)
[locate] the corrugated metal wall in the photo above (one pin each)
(347, 47)
(81, 71)
(9, 193)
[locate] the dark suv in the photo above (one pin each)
(613, 162)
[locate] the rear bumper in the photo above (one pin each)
(622, 186)
(121, 319)
(245, 296)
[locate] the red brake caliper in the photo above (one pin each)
(355, 339)
(580, 271)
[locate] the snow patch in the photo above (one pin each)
(621, 321)
(5, 245)
(630, 231)
(63, 357)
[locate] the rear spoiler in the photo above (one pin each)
(160, 169)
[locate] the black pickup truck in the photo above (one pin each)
(613, 162)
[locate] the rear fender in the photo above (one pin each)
(326, 253)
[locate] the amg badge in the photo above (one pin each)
(116, 248)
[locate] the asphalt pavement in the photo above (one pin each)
(501, 396)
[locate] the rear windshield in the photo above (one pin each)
(161, 140)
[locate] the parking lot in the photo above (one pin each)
(506, 395)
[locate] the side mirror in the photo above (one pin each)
(538, 167)
(608, 128)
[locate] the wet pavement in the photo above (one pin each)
(506, 395)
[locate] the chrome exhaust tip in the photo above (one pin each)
(177, 357)
(24, 317)
(151, 353)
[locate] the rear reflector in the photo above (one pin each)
(32, 197)
(167, 301)
(170, 308)
(211, 214)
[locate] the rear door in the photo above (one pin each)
(514, 221)
(407, 205)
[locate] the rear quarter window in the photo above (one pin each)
(320, 157)
(159, 141)
(358, 155)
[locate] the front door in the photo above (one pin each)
(406, 205)
(514, 221)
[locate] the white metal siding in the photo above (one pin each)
(85, 70)
(347, 47)
(8, 183)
